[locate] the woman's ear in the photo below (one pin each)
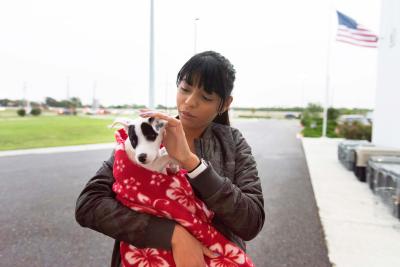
(228, 103)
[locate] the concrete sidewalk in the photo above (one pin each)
(359, 229)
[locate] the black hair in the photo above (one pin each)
(214, 73)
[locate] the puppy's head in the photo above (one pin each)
(144, 138)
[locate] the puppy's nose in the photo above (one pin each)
(142, 158)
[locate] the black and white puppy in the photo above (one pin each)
(143, 143)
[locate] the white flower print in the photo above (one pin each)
(211, 231)
(120, 165)
(159, 205)
(148, 257)
(117, 188)
(157, 179)
(232, 256)
(178, 193)
(142, 198)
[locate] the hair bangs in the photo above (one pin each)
(204, 73)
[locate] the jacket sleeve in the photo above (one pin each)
(237, 202)
(97, 209)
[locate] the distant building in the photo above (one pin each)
(386, 126)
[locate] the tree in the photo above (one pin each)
(51, 102)
(159, 106)
(314, 108)
(76, 102)
(333, 114)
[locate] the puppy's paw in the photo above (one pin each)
(173, 168)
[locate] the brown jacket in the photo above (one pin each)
(230, 186)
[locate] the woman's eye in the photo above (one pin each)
(207, 99)
(184, 89)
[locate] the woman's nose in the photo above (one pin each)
(191, 100)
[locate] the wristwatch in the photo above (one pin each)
(199, 169)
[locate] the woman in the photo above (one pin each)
(221, 170)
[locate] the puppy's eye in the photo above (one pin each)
(151, 119)
(148, 132)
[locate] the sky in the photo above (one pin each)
(282, 50)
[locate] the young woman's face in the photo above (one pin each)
(196, 107)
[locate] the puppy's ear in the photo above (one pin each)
(159, 123)
(120, 121)
(151, 119)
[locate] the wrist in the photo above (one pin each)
(191, 162)
(176, 234)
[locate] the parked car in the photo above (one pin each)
(291, 116)
(352, 118)
(99, 111)
(66, 111)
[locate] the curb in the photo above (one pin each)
(61, 149)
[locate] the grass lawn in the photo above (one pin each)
(51, 130)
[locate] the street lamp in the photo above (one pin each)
(195, 35)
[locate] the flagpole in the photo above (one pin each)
(327, 85)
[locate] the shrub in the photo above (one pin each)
(21, 112)
(36, 111)
(355, 130)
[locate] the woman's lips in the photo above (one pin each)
(187, 114)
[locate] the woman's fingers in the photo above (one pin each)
(209, 253)
(150, 113)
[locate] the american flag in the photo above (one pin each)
(349, 31)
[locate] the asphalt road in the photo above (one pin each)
(38, 194)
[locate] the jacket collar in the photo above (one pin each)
(207, 133)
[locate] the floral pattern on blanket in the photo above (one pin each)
(169, 196)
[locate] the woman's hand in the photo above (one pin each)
(174, 139)
(187, 250)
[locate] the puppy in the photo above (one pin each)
(143, 144)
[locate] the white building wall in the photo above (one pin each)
(386, 127)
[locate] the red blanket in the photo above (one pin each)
(172, 197)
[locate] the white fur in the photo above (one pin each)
(157, 159)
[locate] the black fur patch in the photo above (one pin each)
(148, 132)
(132, 135)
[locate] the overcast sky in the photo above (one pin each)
(279, 49)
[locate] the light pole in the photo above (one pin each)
(151, 68)
(327, 82)
(195, 35)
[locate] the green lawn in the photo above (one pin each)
(48, 131)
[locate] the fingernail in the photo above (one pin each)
(146, 114)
